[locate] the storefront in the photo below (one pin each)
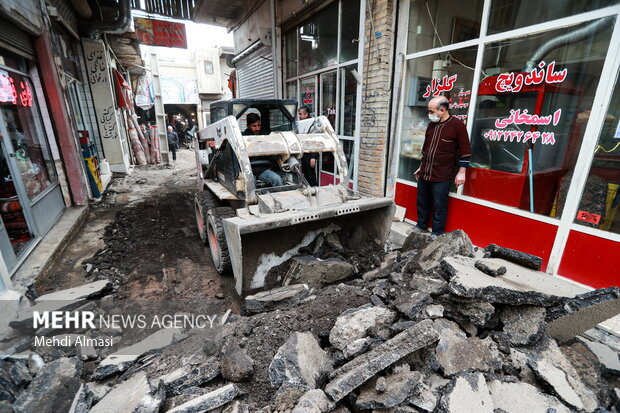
(536, 83)
(321, 66)
(30, 195)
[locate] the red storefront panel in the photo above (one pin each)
(591, 260)
(489, 226)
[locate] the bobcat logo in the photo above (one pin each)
(219, 132)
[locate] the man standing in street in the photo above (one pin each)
(446, 146)
(173, 142)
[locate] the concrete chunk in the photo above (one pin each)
(361, 369)
(130, 395)
(450, 243)
(236, 365)
(353, 324)
(184, 377)
(490, 267)
(517, 257)
(300, 360)
(82, 292)
(411, 304)
(53, 389)
(457, 354)
(209, 401)
(423, 398)
(64, 300)
(286, 296)
(314, 401)
(466, 394)
(518, 286)
(552, 367)
(126, 357)
(395, 390)
(316, 272)
(576, 315)
(609, 359)
(523, 325)
(523, 398)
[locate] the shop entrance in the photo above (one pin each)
(30, 197)
(182, 118)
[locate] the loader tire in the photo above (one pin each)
(203, 202)
(217, 239)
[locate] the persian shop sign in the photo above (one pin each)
(160, 33)
(17, 93)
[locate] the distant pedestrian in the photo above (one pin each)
(173, 142)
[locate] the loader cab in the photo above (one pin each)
(276, 114)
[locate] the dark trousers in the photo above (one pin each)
(433, 194)
(173, 149)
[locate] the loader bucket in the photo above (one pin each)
(257, 244)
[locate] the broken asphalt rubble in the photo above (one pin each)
(435, 327)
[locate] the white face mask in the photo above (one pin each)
(433, 117)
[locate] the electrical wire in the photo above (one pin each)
(605, 150)
(441, 43)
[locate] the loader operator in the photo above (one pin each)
(261, 165)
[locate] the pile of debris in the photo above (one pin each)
(435, 327)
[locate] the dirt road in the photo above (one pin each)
(143, 237)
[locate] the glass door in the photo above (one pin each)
(30, 197)
(15, 232)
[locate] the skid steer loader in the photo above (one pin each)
(251, 227)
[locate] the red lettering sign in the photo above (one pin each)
(588, 217)
(9, 93)
(513, 82)
(160, 33)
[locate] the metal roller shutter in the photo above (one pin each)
(255, 75)
(15, 40)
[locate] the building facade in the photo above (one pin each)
(535, 84)
(61, 115)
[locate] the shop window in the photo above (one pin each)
(444, 74)
(434, 24)
(513, 14)
(290, 40)
(348, 147)
(348, 101)
(349, 30)
(318, 40)
(532, 107)
(308, 94)
(27, 137)
(291, 90)
(600, 200)
(328, 97)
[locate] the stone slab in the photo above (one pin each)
(209, 401)
(126, 357)
(300, 360)
(126, 396)
(286, 296)
(361, 369)
(518, 286)
(523, 398)
(583, 312)
(467, 394)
